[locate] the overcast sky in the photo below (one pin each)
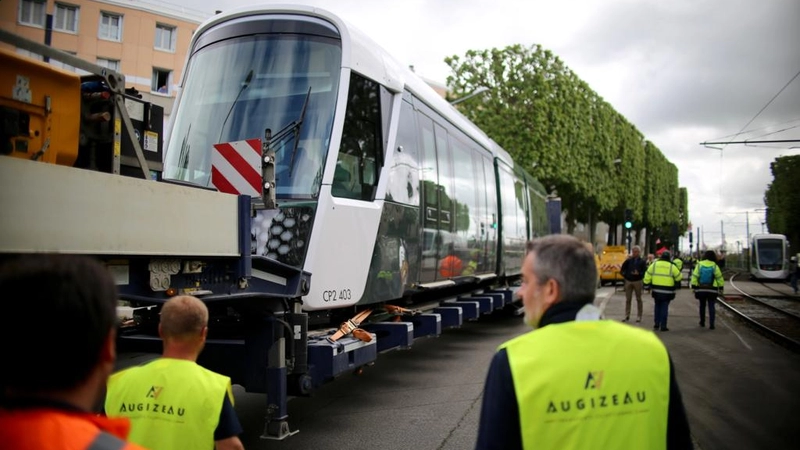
(682, 71)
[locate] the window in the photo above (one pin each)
(29, 54)
(165, 37)
(110, 26)
(361, 149)
(161, 80)
(112, 64)
(32, 12)
(66, 18)
(63, 65)
(403, 185)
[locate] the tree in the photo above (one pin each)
(556, 127)
(783, 199)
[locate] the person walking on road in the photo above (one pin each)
(707, 283)
(794, 273)
(679, 264)
(577, 381)
(664, 279)
(632, 271)
(174, 403)
(58, 347)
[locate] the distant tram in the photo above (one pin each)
(769, 257)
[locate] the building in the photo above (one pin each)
(145, 41)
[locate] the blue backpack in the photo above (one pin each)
(705, 278)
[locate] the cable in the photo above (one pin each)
(775, 132)
(765, 106)
(732, 135)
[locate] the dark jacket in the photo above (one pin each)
(500, 407)
(633, 269)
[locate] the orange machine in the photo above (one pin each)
(610, 262)
(41, 109)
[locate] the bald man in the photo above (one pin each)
(172, 402)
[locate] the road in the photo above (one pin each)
(427, 397)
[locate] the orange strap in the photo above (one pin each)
(399, 310)
(350, 325)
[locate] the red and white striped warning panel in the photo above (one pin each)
(610, 267)
(236, 167)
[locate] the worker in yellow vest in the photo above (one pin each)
(663, 278)
(173, 403)
(577, 381)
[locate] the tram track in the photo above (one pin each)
(777, 323)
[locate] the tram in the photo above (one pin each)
(377, 178)
(769, 257)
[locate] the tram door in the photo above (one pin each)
(450, 261)
(437, 201)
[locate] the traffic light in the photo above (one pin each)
(628, 219)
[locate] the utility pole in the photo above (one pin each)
(747, 230)
(747, 226)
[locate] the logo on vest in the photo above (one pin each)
(594, 400)
(152, 407)
(594, 380)
(154, 392)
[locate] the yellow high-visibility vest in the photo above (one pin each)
(589, 385)
(172, 403)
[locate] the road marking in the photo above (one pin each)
(606, 296)
(737, 335)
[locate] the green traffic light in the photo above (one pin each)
(628, 224)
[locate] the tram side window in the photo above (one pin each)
(361, 150)
(538, 213)
(430, 172)
(403, 185)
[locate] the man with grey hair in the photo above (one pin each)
(632, 271)
(577, 381)
(172, 402)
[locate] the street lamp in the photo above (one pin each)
(477, 91)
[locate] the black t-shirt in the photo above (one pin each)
(228, 425)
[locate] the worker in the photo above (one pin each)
(707, 283)
(451, 265)
(174, 403)
(57, 341)
(662, 278)
(678, 261)
(633, 270)
(577, 381)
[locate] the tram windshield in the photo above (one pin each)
(238, 88)
(770, 252)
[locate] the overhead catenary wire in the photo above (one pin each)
(731, 141)
(753, 130)
(776, 131)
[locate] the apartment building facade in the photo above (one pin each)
(146, 41)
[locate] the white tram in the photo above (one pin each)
(769, 257)
(379, 179)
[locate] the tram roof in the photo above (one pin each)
(363, 55)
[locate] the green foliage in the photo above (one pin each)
(562, 132)
(783, 199)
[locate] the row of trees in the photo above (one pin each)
(562, 132)
(783, 199)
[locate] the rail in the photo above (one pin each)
(778, 324)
